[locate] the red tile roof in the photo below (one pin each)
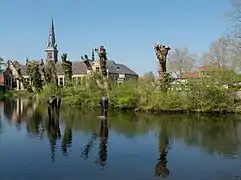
(190, 75)
(1, 79)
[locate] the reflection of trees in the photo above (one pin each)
(67, 139)
(207, 132)
(161, 167)
(129, 124)
(39, 123)
(35, 122)
(88, 146)
(53, 130)
(103, 140)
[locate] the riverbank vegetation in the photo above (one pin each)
(5, 94)
(10, 94)
(207, 94)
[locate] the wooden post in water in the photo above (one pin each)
(104, 106)
(54, 104)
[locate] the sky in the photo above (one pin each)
(128, 28)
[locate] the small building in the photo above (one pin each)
(115, 71)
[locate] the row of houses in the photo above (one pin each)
(116, 72)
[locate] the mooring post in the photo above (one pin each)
(53, 104)
(49, 112)
(104, 105)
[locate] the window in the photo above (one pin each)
(27, 81)
(97, 69)
(50, 56)
(61, 81)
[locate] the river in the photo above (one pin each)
(126, 146)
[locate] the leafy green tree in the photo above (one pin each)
(66, 68)
(33, 71)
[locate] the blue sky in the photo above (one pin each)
(128, 28)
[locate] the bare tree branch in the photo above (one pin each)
(224, 52)
(181, 61)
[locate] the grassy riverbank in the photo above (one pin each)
(196, 96)
(5, 95)
(14, 94)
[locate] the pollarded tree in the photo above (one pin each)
(101, 78)
(181, 61)
(66, 68)
(161, 52)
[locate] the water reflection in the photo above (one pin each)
(208, 132)
(53, 130)
(103, 140)
(102, 135)
(67, 139)
(214, 135)
(16, 110)
(161, 167)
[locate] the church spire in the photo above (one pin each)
(93, 55)
(51, 41)
(51, 50)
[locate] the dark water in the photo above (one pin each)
(127, 146)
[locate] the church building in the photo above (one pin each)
(116, 72)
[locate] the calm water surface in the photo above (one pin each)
(127, 146)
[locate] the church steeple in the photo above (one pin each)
(51, 50)
(51, 40)
(93, 55)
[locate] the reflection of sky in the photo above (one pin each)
(22, 156)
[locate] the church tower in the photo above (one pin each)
(51, 50)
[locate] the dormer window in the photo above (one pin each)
(118, 68)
